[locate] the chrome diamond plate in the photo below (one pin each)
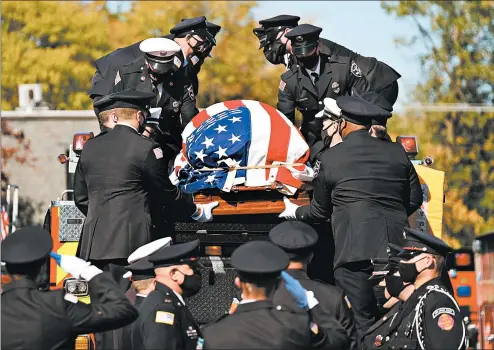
(70, 221)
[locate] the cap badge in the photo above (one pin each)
(163, 53)
(405, 234)
(299, 38)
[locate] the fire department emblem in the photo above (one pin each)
(356, 70)
(336, 87)
(299, 38)
(317, 167)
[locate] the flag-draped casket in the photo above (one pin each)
(241, 142)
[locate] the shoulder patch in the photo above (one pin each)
(282, 85)
(443, 310)
(158, 153)
(355, 70)
(445, 322)
(71, 297)
(164, 317)
(200, 343)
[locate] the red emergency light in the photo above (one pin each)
(410, 145)
(80, 139)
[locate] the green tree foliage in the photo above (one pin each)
(458, 63)
(53, 43)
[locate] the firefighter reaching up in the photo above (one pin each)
(33, 319)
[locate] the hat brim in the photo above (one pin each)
(303, 50)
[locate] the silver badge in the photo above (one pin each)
(299, 38)
(175, 104)
(336, 87)
(190, 89)
(356, 70)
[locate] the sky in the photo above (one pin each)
(362, 26)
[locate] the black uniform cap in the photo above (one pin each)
(213, 28)
(286, 21)
(296, 238)
(196, 25)
(359, 111)
(418, 242)
(261, 35)
(377, 100)
(394, 249)
(126, 99)
(26, 246)
(258, 260)
(177, 254)
(141, 269)
(304, 38)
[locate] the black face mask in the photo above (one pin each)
(408, 272)
(192, 284)
(394, 285)
(380, 296)
(309, 62)
(275, 52)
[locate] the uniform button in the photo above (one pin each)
(278, 307)
(143, 78)
(320, 102)
(387, 338)
(385, 318)
(171, 84)
(142, 68)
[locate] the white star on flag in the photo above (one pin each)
(236, 163)
(235, 119)
(210, 179)
(200, 155)
(234, 138)
(221, 152)
(220, 128)
(208, 142)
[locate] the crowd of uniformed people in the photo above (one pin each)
(391, 291)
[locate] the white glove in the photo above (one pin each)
(290, 209)
(306, 175)
(204, 212)
(76, 267)
(319, 114)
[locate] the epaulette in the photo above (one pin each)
(339, 59)
(134, 66)
(288, 74)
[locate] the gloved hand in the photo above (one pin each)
(204, 212)
(319, 114)
(78, 268)
(306, 175)
(289, 212)
(303, 298)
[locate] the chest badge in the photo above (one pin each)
(336, 87)
(379, 340)
(192, 332)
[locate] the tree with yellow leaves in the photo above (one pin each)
(52, 43)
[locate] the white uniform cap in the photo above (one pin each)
(148, 249)
(155, 112)
(160, 47)
(330, 106)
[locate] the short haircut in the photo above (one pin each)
(141, 285)
(125, 113)
(440, 262)
(269, 283)
(380, 130)
(104, 117)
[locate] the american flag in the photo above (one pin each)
(251, 135)
(4, 222)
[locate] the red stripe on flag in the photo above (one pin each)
(285, 177)
(200, 118)
(233, 104)
(280, 137)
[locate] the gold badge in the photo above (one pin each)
(299, 38)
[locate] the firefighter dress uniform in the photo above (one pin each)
(165, 322)
(430, 318)
(35, 319)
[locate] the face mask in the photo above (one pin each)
(408, 272)
(191, 285)
(142, 125)
(394, 285)
(309, 62)
(379, 295)
(275, 52)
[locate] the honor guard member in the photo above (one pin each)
(332, 314)
(35, 319)
(165, 322)
(201, 52)
(430, 318)
(121, 185)
(272, 40)
(368, 188)
(101, 87)
(378, 128)
(315, 77)
(141, 272)
(258, 323)
(161, 71)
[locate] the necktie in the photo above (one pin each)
(315, 80)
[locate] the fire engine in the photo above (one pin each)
(248, 213)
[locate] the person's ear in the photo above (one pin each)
(114, 117)
(174, 275)
(237, 282)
